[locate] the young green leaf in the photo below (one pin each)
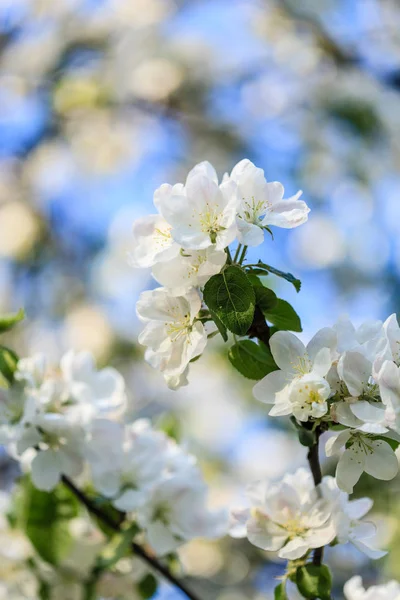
(7, 322)
(8, 365)
(288, 276)
(252, 360)
(231, 297)
(147, 586)
(283, 316)
(314, 581)
(220, 326)
(45, 517)
(280, 592)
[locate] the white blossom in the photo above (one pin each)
(262, 204)
(152, 242)
(191, 268)
(347, 515)
(289, 517)
(299, 387)
(354, 590)
(201, 213)
(172, 334)
(362, 452)
(177, 512)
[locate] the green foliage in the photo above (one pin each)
(280, 592)
(45, 516)
(314, 581)
(360, 116)
(8, 365)
(306, 436)
(263, 269)
(252, 360)
(265, 298)
(231, 297)
(220, 326)
(8, 321)
(147, 586)
(283, 316)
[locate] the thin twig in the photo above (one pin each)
(315, 467)
(136, 549)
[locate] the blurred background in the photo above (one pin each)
(101, 101)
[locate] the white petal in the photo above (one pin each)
(350, 467)
(322, 362)
(382, 462)
(287, 350)
(46, 471)
(336, 442)
(265, 390)
(296, 548)
(161, 539)
(355, 370)
(368, 550)
(324, 338)
(367, 412)
(356, 509)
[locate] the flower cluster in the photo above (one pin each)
(187, 243)
(345, 378)
(294, 517)
(58, 419)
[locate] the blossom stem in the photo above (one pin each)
(315, 467)
(243, 255)
(136, 549)
(235, 258)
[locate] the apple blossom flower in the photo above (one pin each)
(75, 385)
(358, 402)
(191, 268)
(289, 517)
(354, 590)
(177, 512)
(59, 451)
(368, 339)
(391, 347)
(262, 204)
(347, 515)
(388, 380)
(201, 213)
(152, 242)
(172, 334)
(362, 452)
(134, 464)
(299, 387)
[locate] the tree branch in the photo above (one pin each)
(315, 467)
(136, 549)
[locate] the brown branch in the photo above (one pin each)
(136, 549)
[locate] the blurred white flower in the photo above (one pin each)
(354, 590)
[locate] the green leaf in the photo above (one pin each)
(231, 297)
(45, 518)
(118, 547)
(252, 360)
(283, 316)
(220, 326)
(147, 586)
(8, 321)
(314, 581)
(280, 592)
(288, 276)
(8, 365)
